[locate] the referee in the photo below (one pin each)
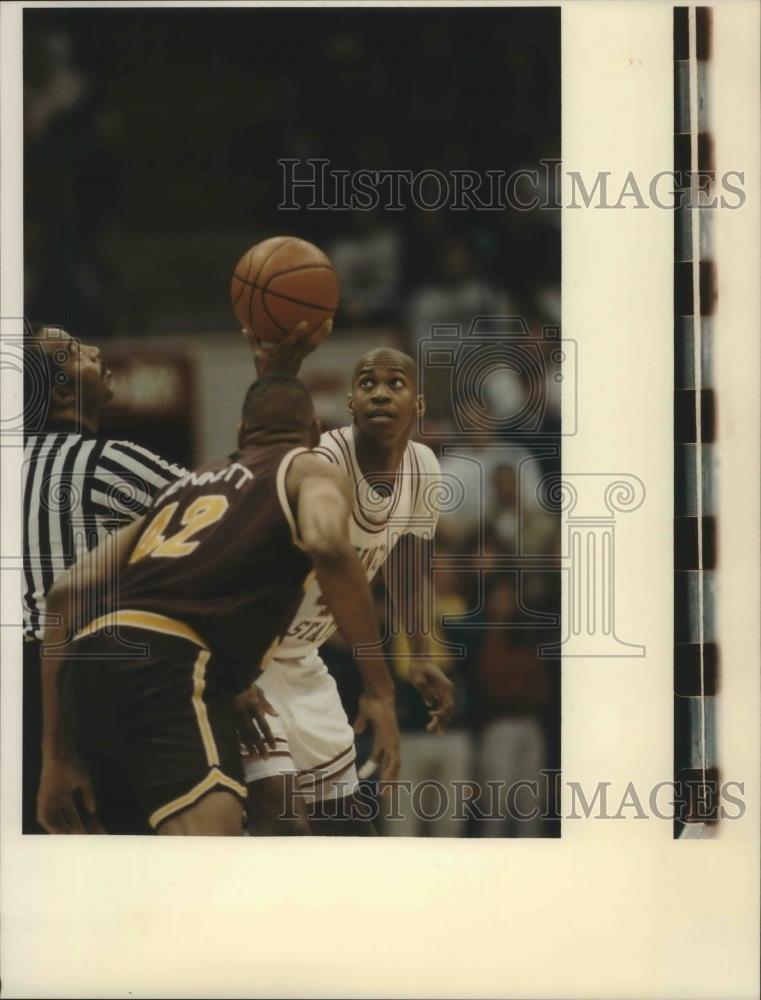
(77, 487)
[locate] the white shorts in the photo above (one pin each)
(313, 735)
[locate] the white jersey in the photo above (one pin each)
(377, 522)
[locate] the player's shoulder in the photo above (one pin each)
(311, 462)
(335, 447)
(309, 465)
(426, 458)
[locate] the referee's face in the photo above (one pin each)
(88, 378)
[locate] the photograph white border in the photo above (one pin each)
(614, 908)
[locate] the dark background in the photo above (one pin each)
(152, 138)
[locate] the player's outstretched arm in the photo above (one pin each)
(64, 778)
(321, 495)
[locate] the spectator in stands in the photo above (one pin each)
(74, 207)
(448, 757)
(474, 469)
(510, 688)
(454, 294)
(368, 259)
(521, 525)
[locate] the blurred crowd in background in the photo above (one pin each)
(150, 165)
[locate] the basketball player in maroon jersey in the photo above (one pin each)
(160, 680)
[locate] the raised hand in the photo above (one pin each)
(286, 355)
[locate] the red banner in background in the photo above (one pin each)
(154, 402)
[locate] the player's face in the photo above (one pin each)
(88, 378)
(384, 400)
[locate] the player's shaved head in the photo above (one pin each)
(277, 407)
(387, 357)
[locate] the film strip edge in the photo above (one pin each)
(696, 647)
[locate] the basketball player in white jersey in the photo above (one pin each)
(395, 478)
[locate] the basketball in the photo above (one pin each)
(281, 282)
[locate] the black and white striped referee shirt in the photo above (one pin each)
(77, 487)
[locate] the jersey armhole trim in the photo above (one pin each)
(282, 495)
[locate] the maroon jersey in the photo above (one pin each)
(220, 553)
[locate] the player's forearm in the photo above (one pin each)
(410, 592)
(57, 741)
(98, 570)
(94, 574)
(323, 517)
(420, 644)
(413, 617)
(346, 591)
(57, 738)
(68, 605)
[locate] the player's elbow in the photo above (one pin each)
(58, 593)
(328, 547)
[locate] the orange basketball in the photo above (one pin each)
(281, 282)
